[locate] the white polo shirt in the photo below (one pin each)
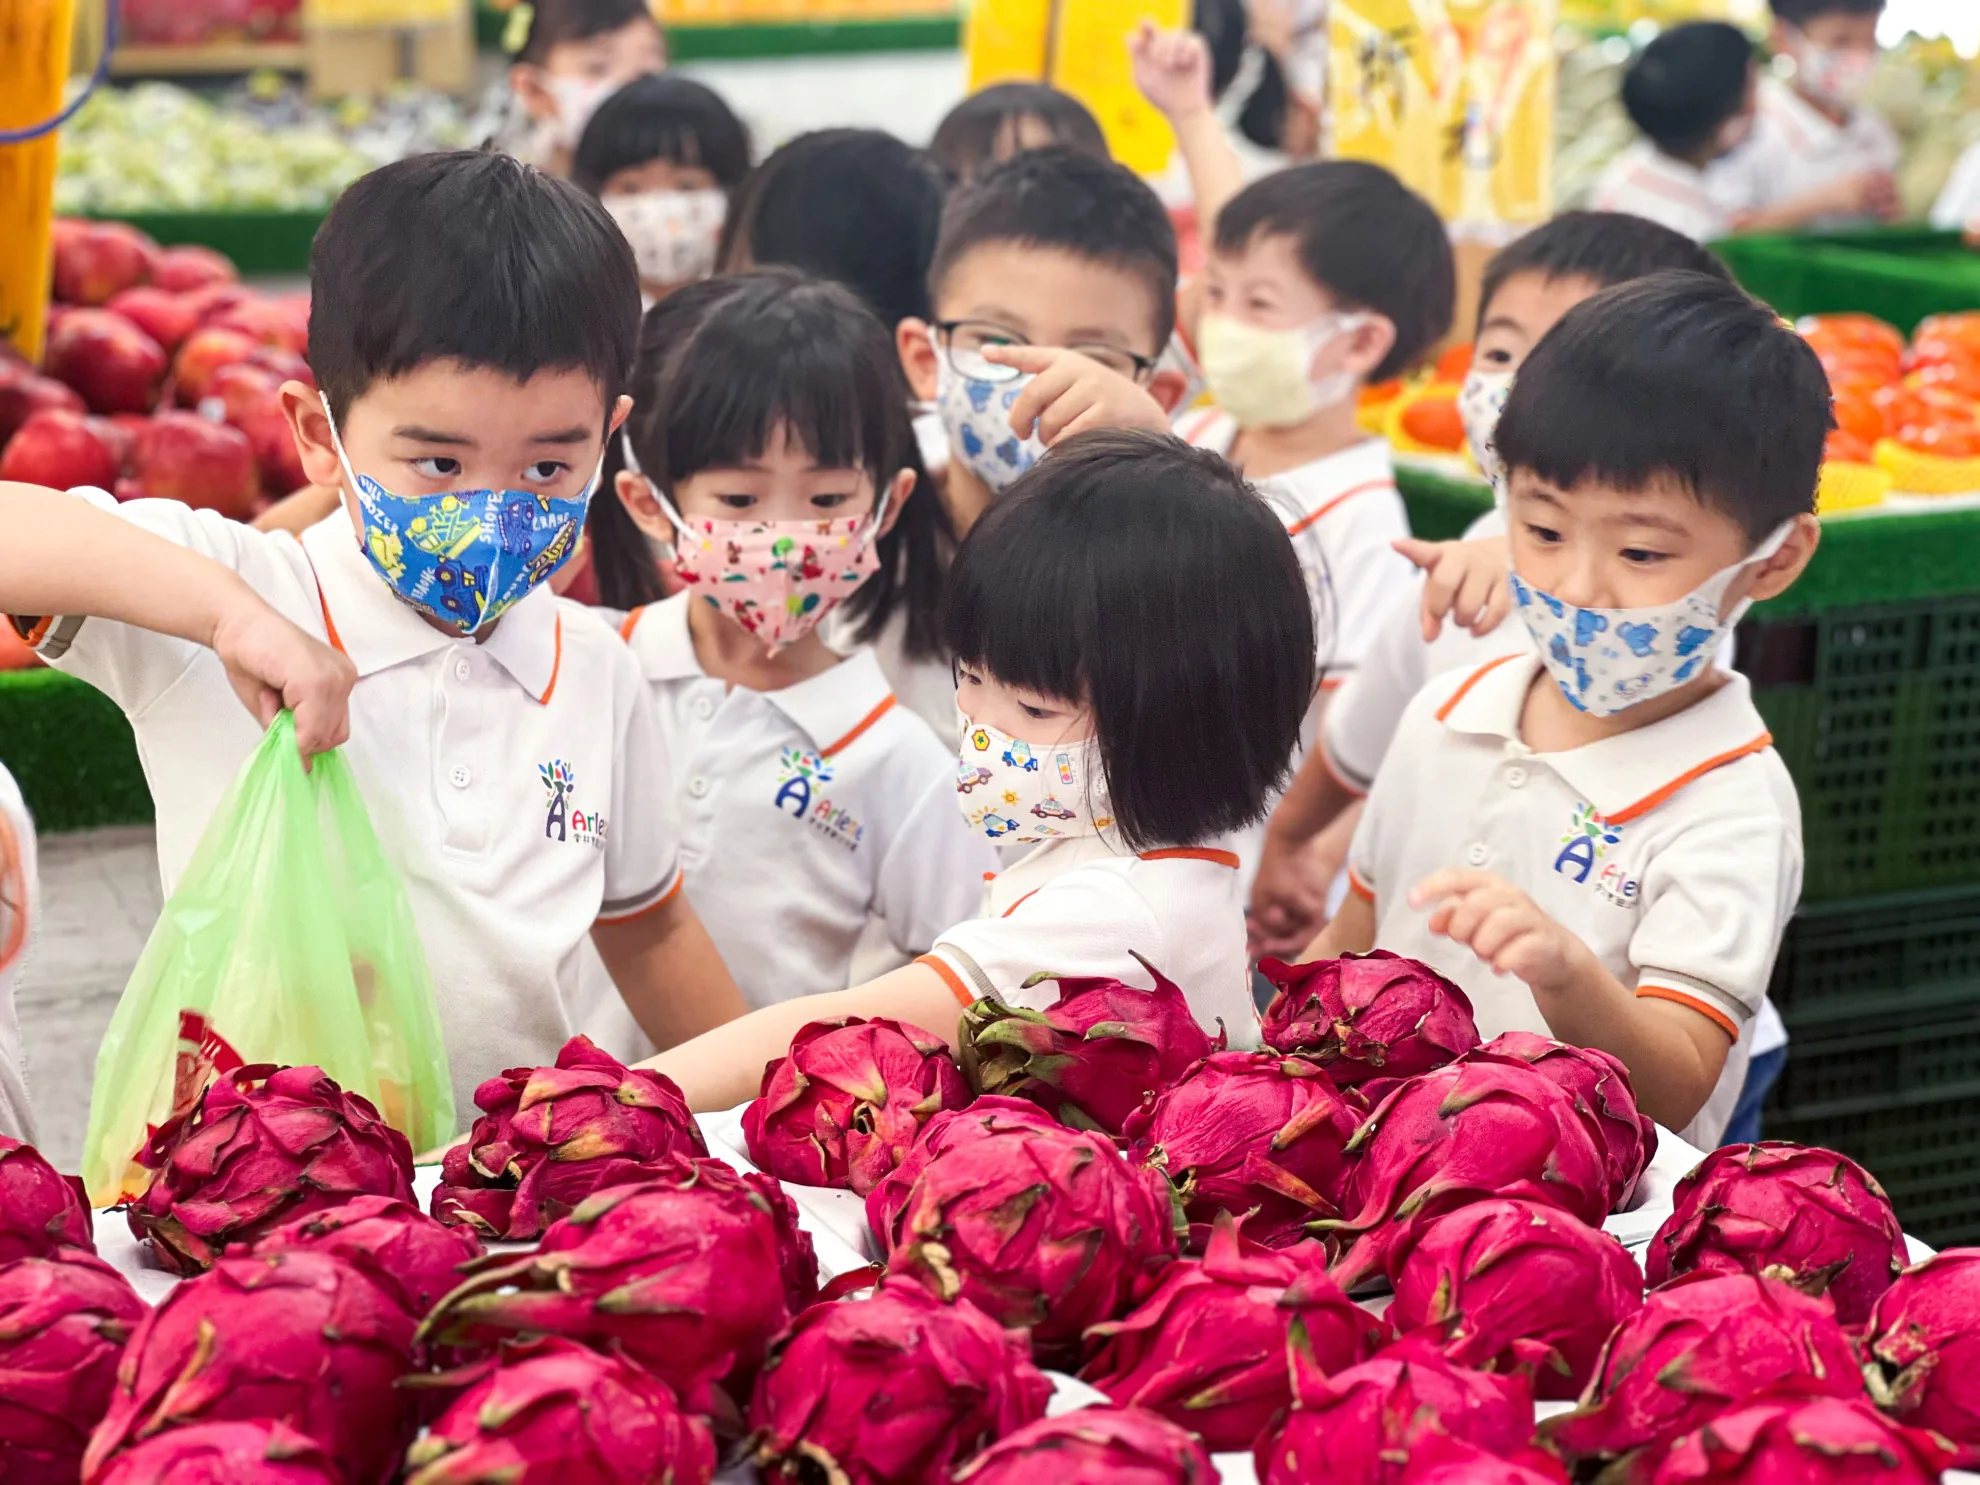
(1342, 512)
(805, 811)
(1643, 181)
(924, 684)
(518, 783)
(1958, 206)
(20, 902)
(1673, 851)
(1795, 149)
(1085, 907)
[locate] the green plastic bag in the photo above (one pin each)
(289, 940)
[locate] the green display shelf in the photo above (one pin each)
(743, 40)
(261, 243)
(1899, 274)
(71, 751)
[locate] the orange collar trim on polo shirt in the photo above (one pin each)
(1657, 796)
(886, 705)
(329, 624)
(556, 665)
(1191, 853)
(556, 661)
(1444, 711)
(632, 623)
(1341, 499)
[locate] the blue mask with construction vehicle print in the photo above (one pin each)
(1013, 790)
(464, 557)
(1606, 660)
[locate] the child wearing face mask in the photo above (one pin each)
(567, 58)
(1819, 158)
(662, 155)
(769, 448)
(1134, 649)
(1595, 838)
(1321, 279)
(1690, 93)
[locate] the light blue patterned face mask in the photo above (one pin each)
(1606, 660)
(465, 557)
(977, 417)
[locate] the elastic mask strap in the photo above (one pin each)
(337, 443)
(665, 504)
(1723, 580)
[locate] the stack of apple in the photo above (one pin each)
(161, 377)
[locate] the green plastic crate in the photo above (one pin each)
(1925, 1153)
(1898, 274)
(1876, 712)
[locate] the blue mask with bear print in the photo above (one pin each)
(977, 417)
(1606, 660)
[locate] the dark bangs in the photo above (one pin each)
(1147, 580)
(767, 348)
(1676, 375)
(662, 116)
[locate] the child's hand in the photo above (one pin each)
(1288, 897)
(1465, 579)
(1871, 193)
(1070, 393)
(1172, 70)
(1504, 927)
(274, 665)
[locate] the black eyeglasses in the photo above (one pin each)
(963, 343)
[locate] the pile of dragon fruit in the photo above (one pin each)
(1098, 1188)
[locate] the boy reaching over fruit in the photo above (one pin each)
(474, 324)
(1595, 839)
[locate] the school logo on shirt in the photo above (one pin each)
(562, 820)
(800, 773)
(1588, 839)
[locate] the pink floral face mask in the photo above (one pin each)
(776, 578)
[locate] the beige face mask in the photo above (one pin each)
(1260, 377)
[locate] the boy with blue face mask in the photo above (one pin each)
(473, 325)
(1596, 840)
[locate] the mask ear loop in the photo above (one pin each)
(337, 443)
(659, 498)
(1772, 543)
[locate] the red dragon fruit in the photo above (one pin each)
(420, 1256)
(548, 1137)
(1794, 1439)
(1359, 1426)
(263, 1146)
(40, 1209)
(1215, 1346)
(1473, 1129)
(1368, 1016)
(1093, 1057)
(894, 1389)
(304, 1338)
(252, 1451)
(557, 1413)
(1697, 1347)
(63, 1323)
(1515, 1286)
(1439, 1459)
(1811, 1216)
(846, 1103)
(1600, 1086)
(797, 1260)
(987, 1117)
(684, 1274)
(1922, 1349)
(1251, 1132)
(1094, 1446)
(1046, 1230)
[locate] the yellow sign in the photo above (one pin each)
(34, 67)
(1079, 47)
(386, 14)
(1455, 96)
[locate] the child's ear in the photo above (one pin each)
(1167, 387)
(1777, 574)
(621, 410)
(899, 490)
(309, 425)
(526, 82)
(637, 497)
(1369, 344)
(914, 341)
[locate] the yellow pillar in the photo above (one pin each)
(34, 66)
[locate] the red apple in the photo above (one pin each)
(209, 466)
(286, 365)
(94, 260)
(205, 351)
(25, 392)
(162, 316)
(267, 322)
(296, 307)
(190, 266)
(60, 450)
(214, 298)
(115, 365)
(253, 402)
(128, 489)
(119, 433)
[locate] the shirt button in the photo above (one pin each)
(460, 776)
(462, 670)
(698, 787)
(1477, 855)
(704, 708)
(1515, 777)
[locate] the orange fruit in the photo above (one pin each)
(1857, 415)
(1944, 440)
(1850, 329)
(1845, 447)
(1380, 394)
(1434, 420)
(1454, 363)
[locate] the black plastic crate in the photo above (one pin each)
(1925, 1153)
(1877, 966)
(1839, 1067)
